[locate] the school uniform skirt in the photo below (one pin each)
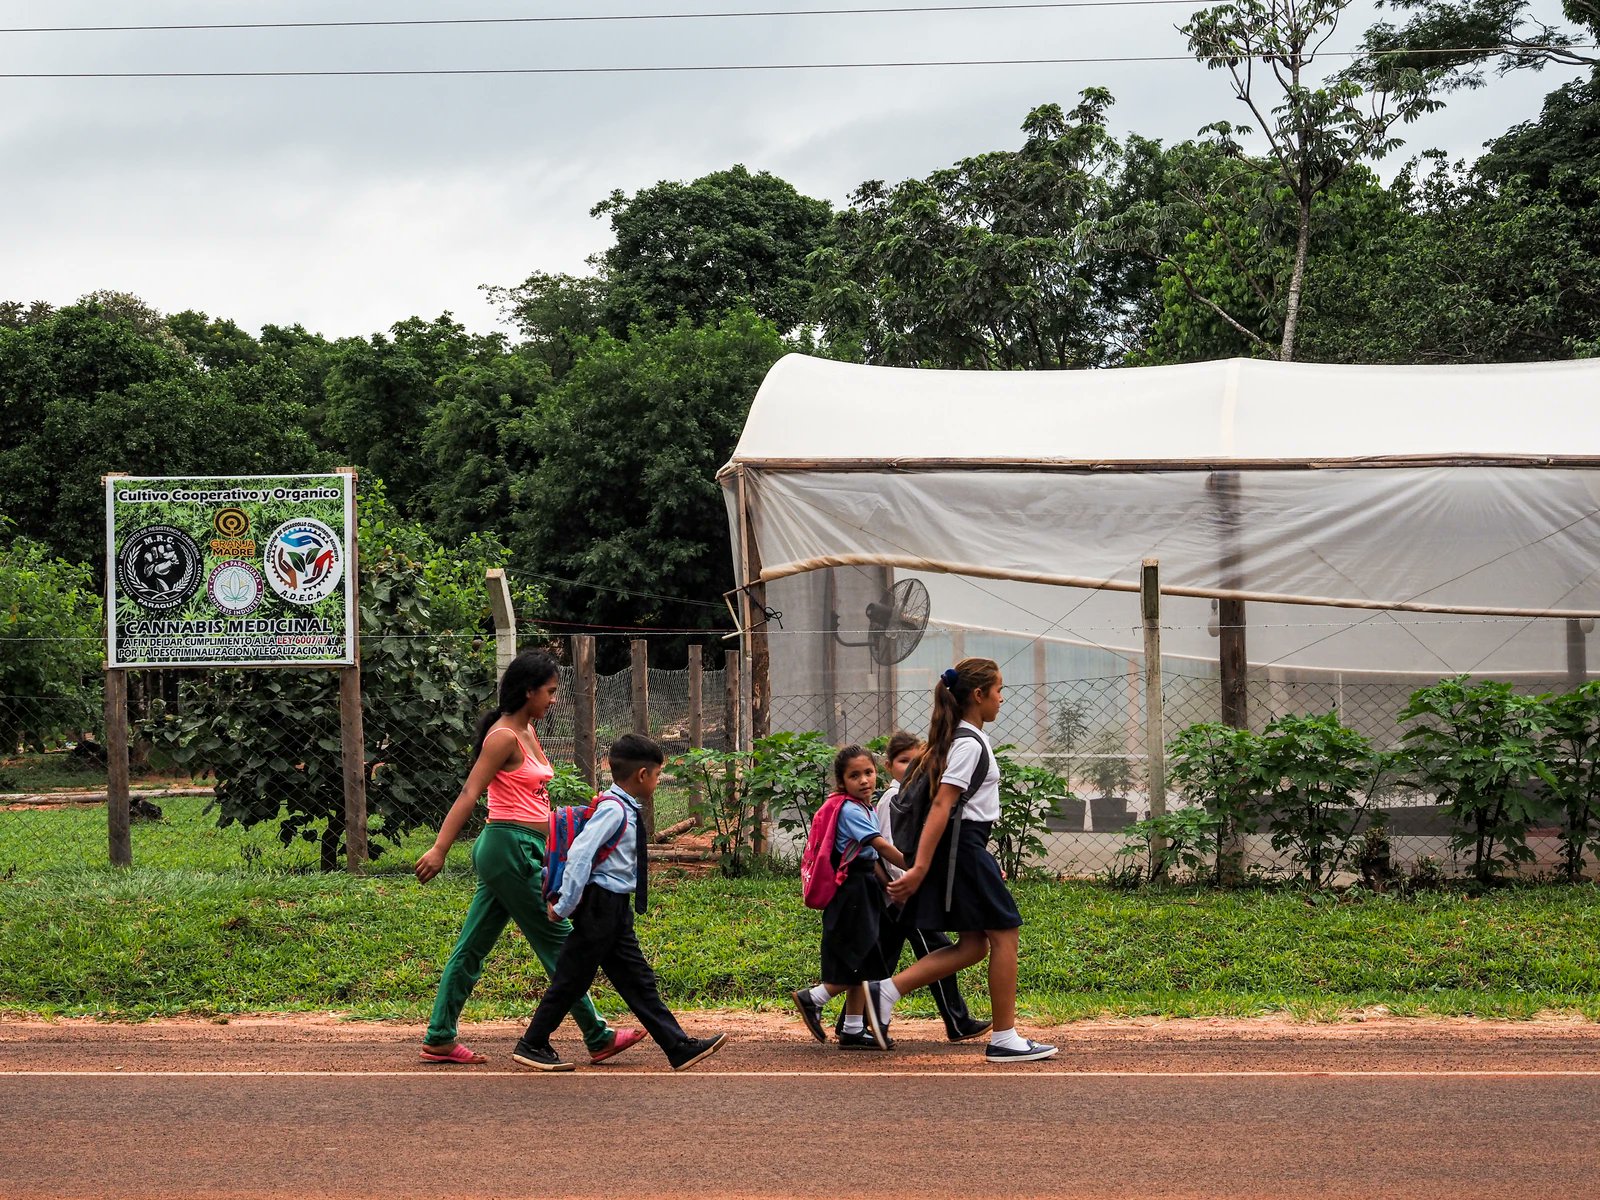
(850, 926)
(980, 899)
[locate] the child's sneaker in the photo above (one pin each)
(877, 1018)
(686, 1053)
(967, 1030)
(811, 1013)
(1032, 1052)
(862, 1040)
(541, 1058)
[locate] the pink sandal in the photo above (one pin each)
(457, 1054)
(620, 1041)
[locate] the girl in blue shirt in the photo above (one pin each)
(850, 953)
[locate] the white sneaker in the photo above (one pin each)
(1033, 1052)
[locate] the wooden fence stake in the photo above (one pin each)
(696, 724)
(1154, 716)
(639, 651)
(117, 767)
(352, 728)
(583, 716)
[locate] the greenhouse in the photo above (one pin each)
(1344, 533)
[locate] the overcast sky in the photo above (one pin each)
(349, 203)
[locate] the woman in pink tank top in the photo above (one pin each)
(508, 857)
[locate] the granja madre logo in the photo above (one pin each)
(158, 567)
(303, 560)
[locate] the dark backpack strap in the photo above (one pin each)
(979, 774)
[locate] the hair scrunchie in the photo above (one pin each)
(950, 678)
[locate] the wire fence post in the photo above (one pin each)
(583, 708)
(1155, 747)
(352, 729)
(696, 724)
(505, 620)
(117, 767)
(730, 724)
(639, 651)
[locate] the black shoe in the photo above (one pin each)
(685, 1054)
(876, 1025)
(811, 1013)
(541, 1058)
(862, 1040)
(967, 1029)
(1034, 1052)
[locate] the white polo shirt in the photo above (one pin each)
(984, 804)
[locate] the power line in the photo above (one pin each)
(731, 67)
(596, 17)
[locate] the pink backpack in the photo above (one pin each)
(819, 878)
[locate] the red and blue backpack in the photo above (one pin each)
(819, 878)
(566, 823)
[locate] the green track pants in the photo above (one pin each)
(509, 861)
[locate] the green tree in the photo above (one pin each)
(554, 314)
(214, 344)
(1317, 131)
(727, 241)
(982, 265)
(624, 497)
(51, 645)
(1464, 35)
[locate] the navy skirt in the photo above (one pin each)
(980, 900)
(850, 925)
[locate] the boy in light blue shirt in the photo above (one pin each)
(596, 896)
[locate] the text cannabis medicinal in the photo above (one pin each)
(250, 571)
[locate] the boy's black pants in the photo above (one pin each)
(602, 939)
(892, 938)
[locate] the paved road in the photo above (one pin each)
(342, 1112)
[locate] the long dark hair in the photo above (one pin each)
(949, 703)
(846, 756)
(528, 672)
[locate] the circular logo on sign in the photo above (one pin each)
(303, 560)
(236, 587)
(231, 522)
(159, 567)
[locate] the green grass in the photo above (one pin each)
(161, 942)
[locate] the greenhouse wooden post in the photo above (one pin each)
(697, 723)
(755, 623)
(1155, 748)
(583, 715)
(1233, 658)
(116, 747)
(731, 720)
(1577, 655)
(352, 731)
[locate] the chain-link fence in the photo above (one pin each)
(243, 768)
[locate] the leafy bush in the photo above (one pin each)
(1570, 750)
(1215, 766)
(1028, 797)
(1188, 841)
(1475, 746)
(51, 646)
(1314, 775)
(789, 775)
(719, 776)
(1109, 769)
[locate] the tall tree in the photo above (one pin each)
(1316, 130)
(1463, 36)
(983, 264)
(728, 240)
(553, 313)
(624, 500)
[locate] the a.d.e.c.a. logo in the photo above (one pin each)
(303, 561)
(158, 568)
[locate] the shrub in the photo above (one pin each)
(1188, 841)
(1475, 746)
(51, 646)
(1028, 797)
(719, 776)
(1216, 767)
(1570, 750)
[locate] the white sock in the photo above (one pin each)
(820, 994)
(887, 995)
(854, 1024)
(1007, 1039)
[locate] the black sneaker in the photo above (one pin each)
(541, 1058)
(1033, 1053)
(967, 1030)
(877, 1025)
(862, 1040)
(811, 1013)
(685, 1054)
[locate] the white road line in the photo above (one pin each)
(613, 1074)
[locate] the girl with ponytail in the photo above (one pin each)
(508, 857)
(963, 785)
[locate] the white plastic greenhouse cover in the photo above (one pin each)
(1465, 496)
